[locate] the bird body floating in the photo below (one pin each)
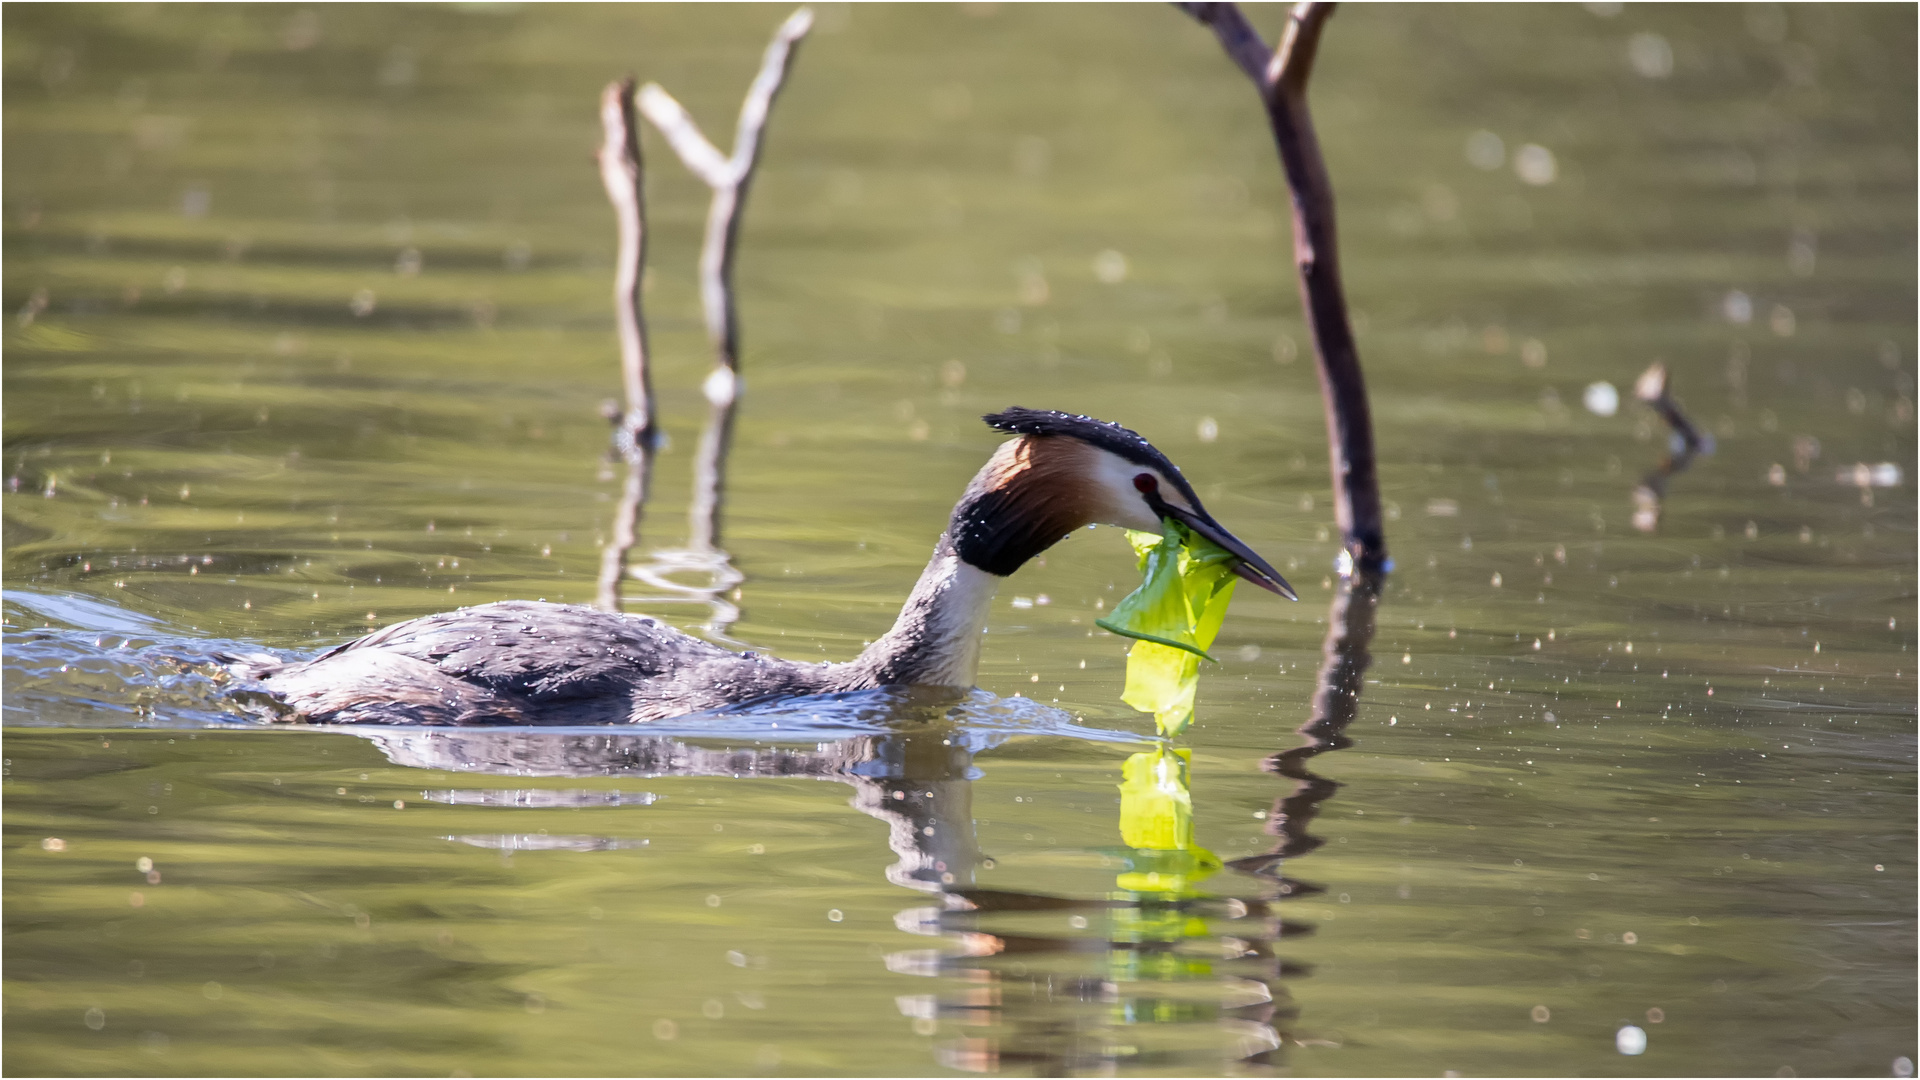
(1173, 616)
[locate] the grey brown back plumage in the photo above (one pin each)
(525, 662)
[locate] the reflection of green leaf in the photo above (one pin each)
(1156, 820)
(1156, 809)
(1175, 614)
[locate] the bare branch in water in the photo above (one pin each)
(621, 173)
(1689, 442)
(634, 430)
(1280, 76)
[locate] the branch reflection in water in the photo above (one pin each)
(1162, 971)
(1344, 658)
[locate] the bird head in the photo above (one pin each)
(1063, 472)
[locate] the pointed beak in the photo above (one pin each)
(1246, 564)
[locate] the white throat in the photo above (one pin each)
(936, 639)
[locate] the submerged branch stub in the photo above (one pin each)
(1281, 75)
(621, 174)
(1654, 390)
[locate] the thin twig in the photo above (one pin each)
(620, 172)
(729, 177)
(1281, 76)
(634, 432)
(1243, 44)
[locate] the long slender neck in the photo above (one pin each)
(936, 639)
(1021, 502)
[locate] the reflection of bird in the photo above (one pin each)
(525, 662)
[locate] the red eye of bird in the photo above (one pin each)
(1146, 484)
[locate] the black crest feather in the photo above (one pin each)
(1125, 443)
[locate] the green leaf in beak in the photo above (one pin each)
(1174, 616)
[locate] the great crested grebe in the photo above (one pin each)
(527, 662)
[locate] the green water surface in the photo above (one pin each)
(308, 332)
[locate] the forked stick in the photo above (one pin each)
(1280, 75)
(729, 177)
